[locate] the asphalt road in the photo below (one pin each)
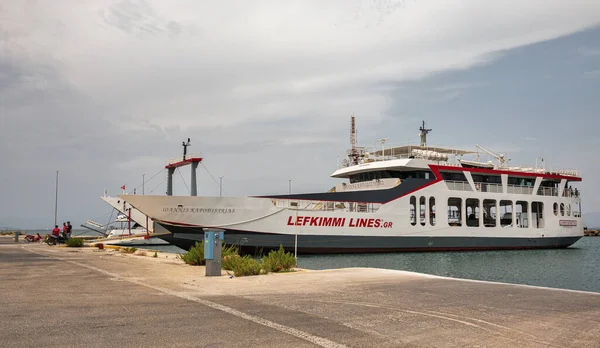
(60, 297)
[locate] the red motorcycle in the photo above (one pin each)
(31, 238)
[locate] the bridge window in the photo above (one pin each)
(568, 210)
(454, 211)
(422, 209)
(432, 211)
(555, 206)
(413, 209)
(386, 174)
(489, 212)
(506, 211)
(562, 209)
(454, 176)
(472, 212)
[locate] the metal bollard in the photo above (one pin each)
(17, 236)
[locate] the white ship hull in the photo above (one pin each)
(321, 224)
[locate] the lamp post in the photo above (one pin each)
(56, 199)
(143, 183)
(382, 141)
(296, 237)
(220, 186)
(290, 186)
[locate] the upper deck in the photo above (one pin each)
(415, 157)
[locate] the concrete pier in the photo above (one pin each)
(57, 297)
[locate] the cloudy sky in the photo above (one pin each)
(105, 91)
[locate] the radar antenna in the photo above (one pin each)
(423, 134)
(183, 143)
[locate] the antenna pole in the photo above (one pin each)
(56, 199)
(353, 151)
(423, 134)
(220, 186)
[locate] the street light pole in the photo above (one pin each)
(220, 186)
(296, 237)
(143, 183)
(290, 185)
(56, 200)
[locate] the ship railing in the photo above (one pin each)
(571, 192)
(187, 156)
(487, 187)
(458, 186)
(547, 191)
(302, 205)
(519, 189)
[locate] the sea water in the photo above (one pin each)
(576, 267)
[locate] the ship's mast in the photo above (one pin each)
(423, 134)
(353, 150)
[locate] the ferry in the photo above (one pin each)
(412, 197)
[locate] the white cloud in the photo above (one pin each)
(106, 89)
(589, 52)
(592, 74)
(212, 64)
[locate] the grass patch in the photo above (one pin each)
(74, 242)
(10, 233)
(130, 250)
(278, 261)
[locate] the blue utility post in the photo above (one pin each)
(213, 239)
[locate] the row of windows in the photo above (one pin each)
(562, 210)
(422, 209)
(385, 174)
(490, 213)
(493, 179)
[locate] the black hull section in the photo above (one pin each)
(257, 243)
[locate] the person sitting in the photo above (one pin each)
(56, 232)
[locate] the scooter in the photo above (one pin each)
(53, 240)
(30, 238)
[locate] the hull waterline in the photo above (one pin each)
(255, 242)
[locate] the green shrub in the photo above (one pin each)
(229, 261)
(74, 242)
(245, 266)
(228, 250)
(155, 254)
(195, 256)
(277, 261)
(229, 255)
